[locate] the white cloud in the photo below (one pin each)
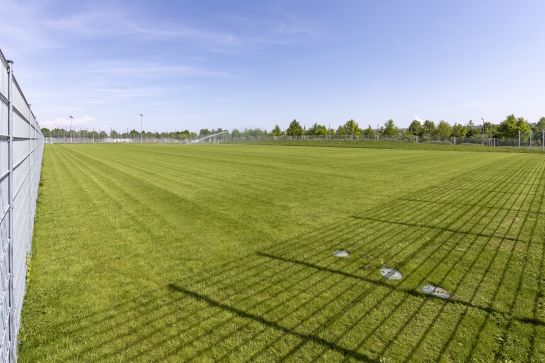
(21, 29)
(28, 25)
(182, 32)
(66, 123)
(59, 54)
(289, 28)
(113, 21)
(120, 69)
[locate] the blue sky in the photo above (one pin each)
(237, 64)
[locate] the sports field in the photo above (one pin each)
(225, 252)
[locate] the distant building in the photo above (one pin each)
(110, 140)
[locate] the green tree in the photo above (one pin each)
(508, 127)
(523, 125)
(459, 130)
(539, 126)
(538, 129)
(351, 127)
(46, 132)
(276, 131)
(317, 130)
(444, 130)
(390, 128)
(428, 128)
(369, 132)
(180, 135)
(320, 130)
(511, 126)
(294, 129)
(472, 130)
(254, 132)
(340, 131)
(489, 129)
(415, 128)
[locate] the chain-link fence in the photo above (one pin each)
(528, 140)
(21, 148)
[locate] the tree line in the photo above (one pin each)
(114, 134)
(510, 127)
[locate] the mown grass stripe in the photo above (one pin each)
(125, 222)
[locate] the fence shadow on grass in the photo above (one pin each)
(296, 301)
(487, 261)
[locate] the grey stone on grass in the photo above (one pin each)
(341, 253)
(390, 273)
(436, 291)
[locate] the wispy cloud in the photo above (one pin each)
(111, 81)
(279, 30)
(125, 69)
(114, 21)
(66, 123)
(71, 97)
(46, 27)
(107, 58)
(183, 32)
(28, 25)
(291, 25)
(21, 29)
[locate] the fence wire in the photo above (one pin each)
(530, 141)
(21, 150)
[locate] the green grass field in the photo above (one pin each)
(225, 252)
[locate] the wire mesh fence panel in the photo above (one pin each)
(21, 150)
(532, 142)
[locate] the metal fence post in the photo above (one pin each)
(30, 177)
(11, 194)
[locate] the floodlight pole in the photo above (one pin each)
(71, 139)
(141, 130)
(519, 138)
(482, 118)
